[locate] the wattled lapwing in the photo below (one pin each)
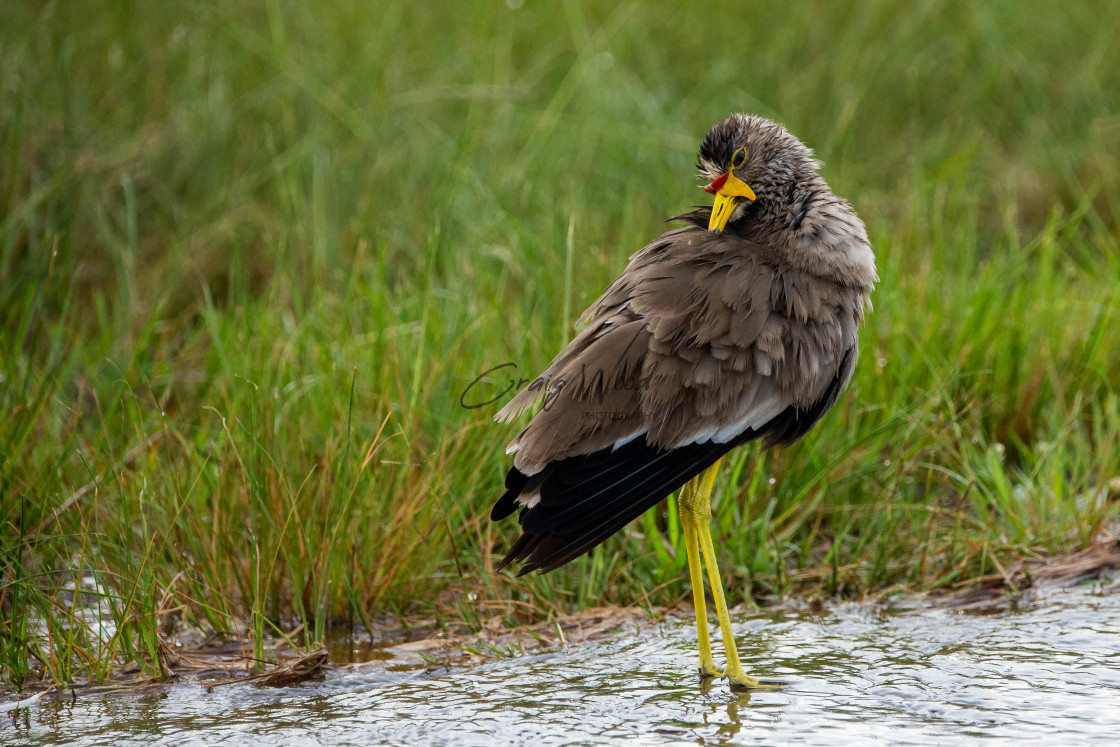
(740, 326)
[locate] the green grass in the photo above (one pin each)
(251, 254)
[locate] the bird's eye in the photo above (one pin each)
(739, 158)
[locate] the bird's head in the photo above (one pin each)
(747, 159)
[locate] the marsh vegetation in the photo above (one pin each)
(251, 256)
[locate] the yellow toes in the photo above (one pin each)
(741, 681)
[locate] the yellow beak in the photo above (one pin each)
(729, 195)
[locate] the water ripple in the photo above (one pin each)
(922, 676)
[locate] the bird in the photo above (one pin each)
(739, 326)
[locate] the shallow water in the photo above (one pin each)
(1049, 671)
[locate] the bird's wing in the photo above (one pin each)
(704, 342)
(701, 338)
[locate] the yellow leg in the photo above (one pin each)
(698, 502)
(688, 525)
(735, 674)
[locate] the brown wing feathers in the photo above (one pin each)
(680, 350)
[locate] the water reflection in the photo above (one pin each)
(1050, 670)
(724, 714)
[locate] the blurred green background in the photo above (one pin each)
(251, 254)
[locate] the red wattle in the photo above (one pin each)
(717, 184)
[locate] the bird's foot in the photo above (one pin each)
(740, 681)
